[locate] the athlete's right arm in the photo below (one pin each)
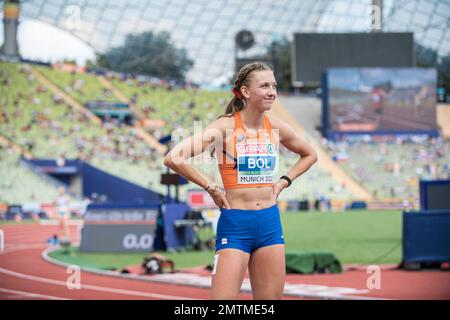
(178, 158)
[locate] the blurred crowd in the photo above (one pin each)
(58, 124)
(389, 166)
(392, 165)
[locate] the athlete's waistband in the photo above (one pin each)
(259, 211)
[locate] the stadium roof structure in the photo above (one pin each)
(206, 28)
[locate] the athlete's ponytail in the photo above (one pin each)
(243, 78)
(236, 104)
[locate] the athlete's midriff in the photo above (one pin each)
(251, 198)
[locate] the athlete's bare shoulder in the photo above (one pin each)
(275, 122)
(223, 123)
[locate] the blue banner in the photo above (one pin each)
(256, 164)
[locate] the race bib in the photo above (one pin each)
(256, 163)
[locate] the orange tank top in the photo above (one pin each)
(251, 159)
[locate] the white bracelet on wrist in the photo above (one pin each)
(211, 188)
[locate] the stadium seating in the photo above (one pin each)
(173, 106)
(178, 107)
(393, 169)
(50, 129)
(82, 86)
(19, 184)
(39, 121)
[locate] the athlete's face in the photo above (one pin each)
(262, 89)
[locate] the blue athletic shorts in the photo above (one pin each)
(248, 230)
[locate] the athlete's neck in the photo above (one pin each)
(252, 119)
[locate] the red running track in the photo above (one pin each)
(24, 274)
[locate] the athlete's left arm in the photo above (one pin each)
(293, 142)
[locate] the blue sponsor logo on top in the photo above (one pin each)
(257, 163)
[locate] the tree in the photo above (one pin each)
(69, 61)
(283, 55)
(444, 73)
(151, 54)
(425, 57)
(100, 62)
(279, 52)
(429, 58)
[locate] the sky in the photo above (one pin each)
(40, 41)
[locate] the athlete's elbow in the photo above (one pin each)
(173, 161)
(168, 161)
(315, 157)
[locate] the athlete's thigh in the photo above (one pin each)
(228, 273)
(267, 269)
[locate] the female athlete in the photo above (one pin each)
(246, 139)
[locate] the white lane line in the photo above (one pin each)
(92, 287)
(32, 295)
(17, 247)
(41, 232)
(33, 240)
(191, 280)
(56, 222)
(25, 245)
(26, 235)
